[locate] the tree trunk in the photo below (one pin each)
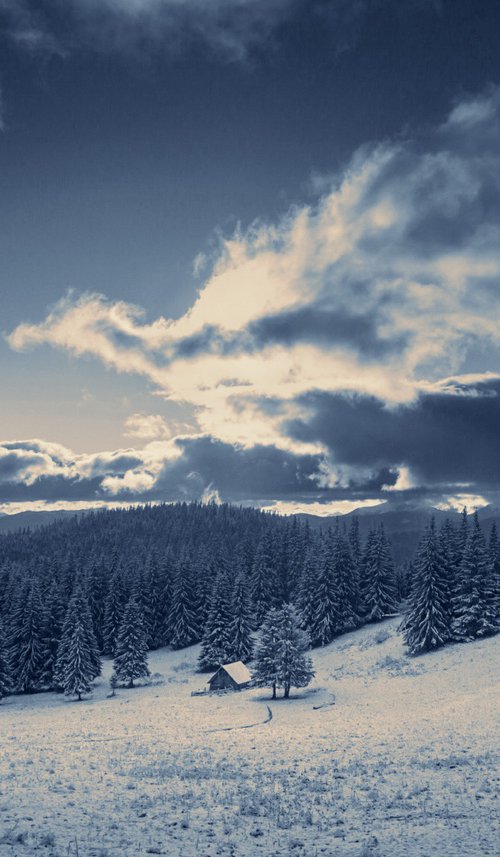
(286, 692)
(274, 690)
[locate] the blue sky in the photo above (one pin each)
(253, 245)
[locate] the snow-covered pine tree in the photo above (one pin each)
(131, 657)
(53, 618)
(113, 612)
(364, 572)
(297, 549)
(240, 627)
(355, 548)
(347, 584)
(427, 624)
(263, 580)
(306, 600)
(166, 576)
(5, 666)
(281, 659)
(78, 662)
(325, 619)
(451, 553)
(96, 591)
(204, 573)
(27, 641)
(295, 666)
(474, 603)
(184, 616)
(152, 600)
(494, 553)
(216, 640)
(462, 536)
(380, 592)
(266, 671)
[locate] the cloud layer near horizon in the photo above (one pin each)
(350, 350)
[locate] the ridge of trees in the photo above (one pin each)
(120, 583)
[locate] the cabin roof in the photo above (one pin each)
(238, 672)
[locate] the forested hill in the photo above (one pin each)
(194, 572)
(129, 535)
(179, 574)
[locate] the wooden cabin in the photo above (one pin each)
(233, 676)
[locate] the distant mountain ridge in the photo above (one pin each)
(33, 520)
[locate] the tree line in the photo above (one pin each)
(120, 583)
(455, 590)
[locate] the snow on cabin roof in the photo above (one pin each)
(238, 672)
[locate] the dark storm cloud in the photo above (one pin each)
(202, 466)
(52, 488)
(444, 437)
(316, 324)
(327, 326)
(238, 473)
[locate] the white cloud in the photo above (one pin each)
(400, 242)
(471, 502)
(58, 505)
(472, 112)
(322, 510)
(147, 426)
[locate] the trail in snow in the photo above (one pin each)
(246, 725)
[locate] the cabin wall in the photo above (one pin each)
(222, 681)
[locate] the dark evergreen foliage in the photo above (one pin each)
(281, 659)
(325, 619)
(5, 666)
(380, 591)
(78, 662)
(131, 658)
(216, 648)
(240, 628)
(475, 613)
(184, 617)
(169, 558)
(28, 643)
(427, 624)
(264, 583)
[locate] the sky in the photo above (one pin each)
(249, 252)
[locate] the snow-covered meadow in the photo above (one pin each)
(405, 762)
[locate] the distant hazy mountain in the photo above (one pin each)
(31, 520)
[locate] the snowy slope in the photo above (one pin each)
(404, 763)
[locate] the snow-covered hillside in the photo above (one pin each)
(405, 762)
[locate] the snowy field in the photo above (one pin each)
(404, 763)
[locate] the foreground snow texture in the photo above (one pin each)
(404, 762)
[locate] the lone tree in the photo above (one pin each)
(281, 659)
(428, 620)
(78, 662)
(131, 658)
